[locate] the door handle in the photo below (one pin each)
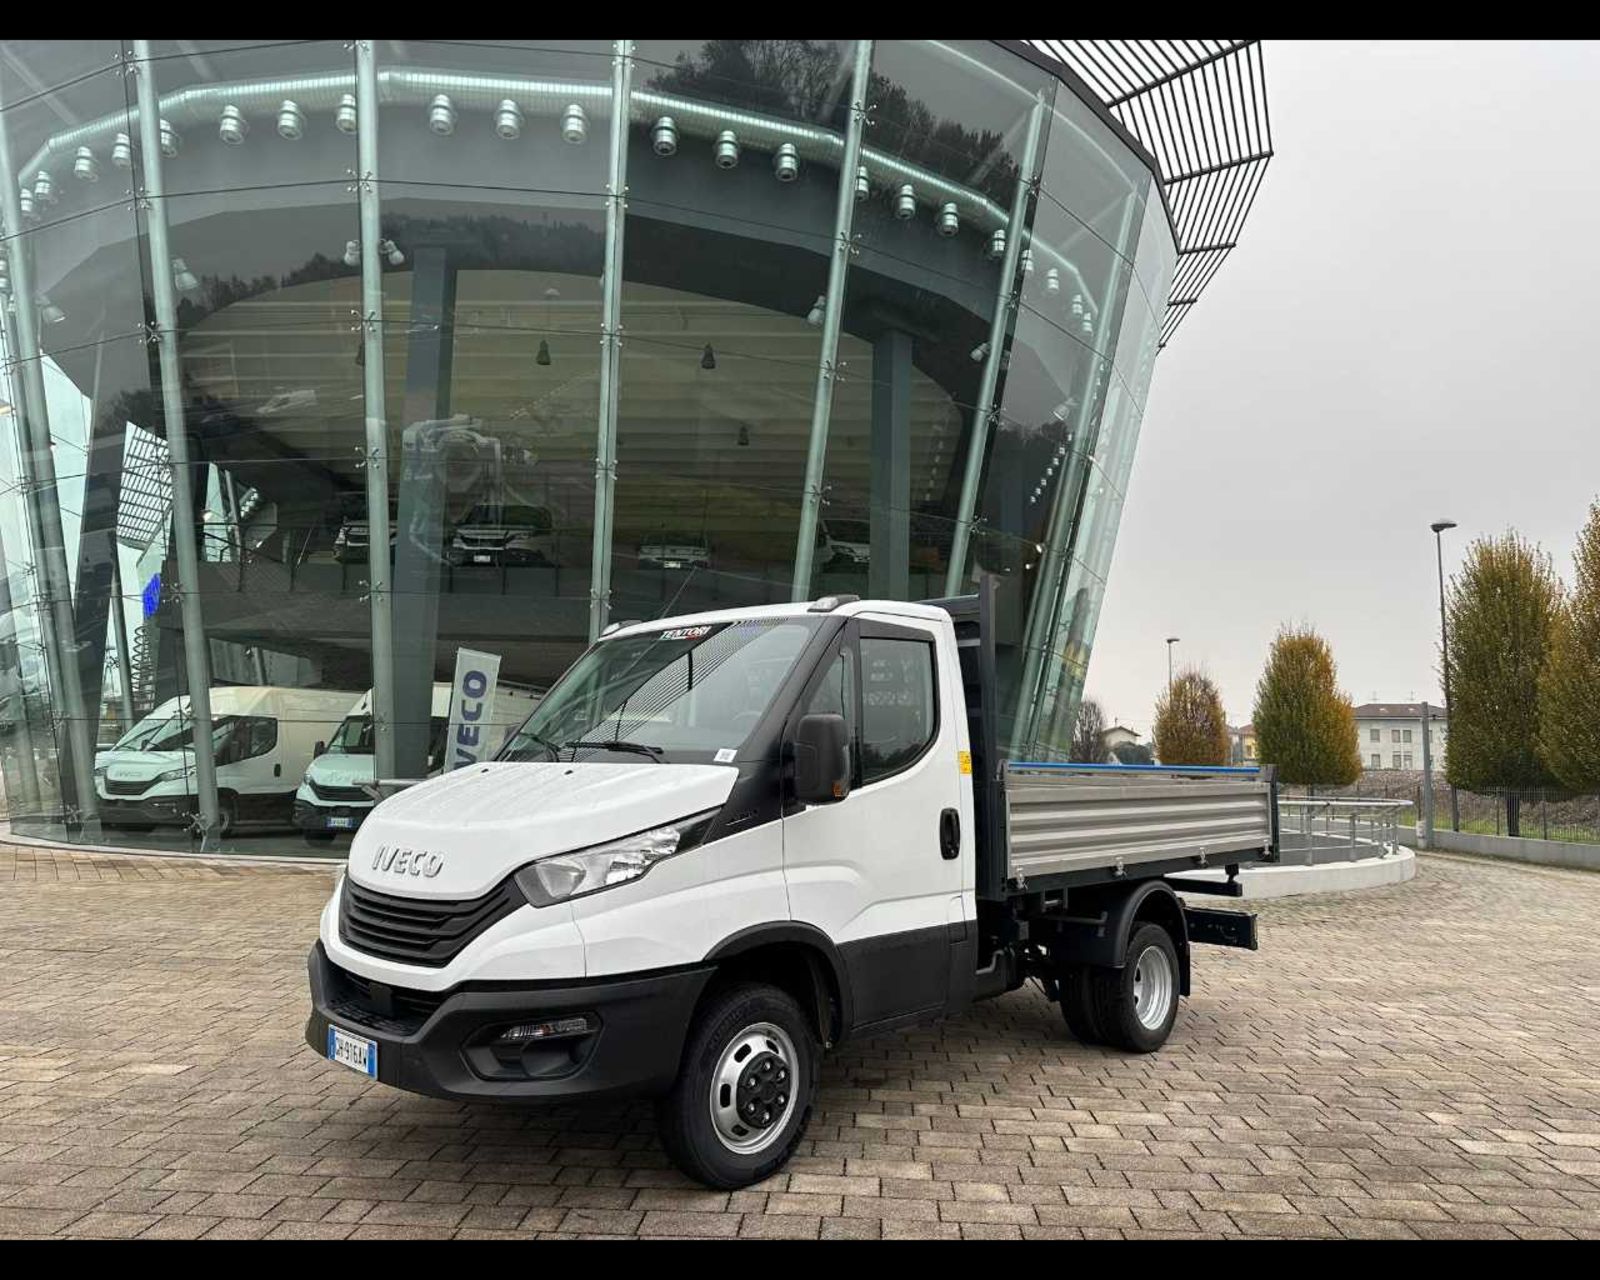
(949, 835)
(277, 771)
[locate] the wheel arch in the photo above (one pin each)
(1103, 942)
(800, 959)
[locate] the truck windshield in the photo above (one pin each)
(354, 737)
(178, 734)
(699, 689)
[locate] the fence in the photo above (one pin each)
(1543, 815)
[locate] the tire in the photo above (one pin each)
(778, 1042)
(1136, 1005)
(1077, 1006)
(227, 815)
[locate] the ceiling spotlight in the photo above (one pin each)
(183, 277)
(441, 115)
(744, 435)
(786, 163)
(814, 316)
(1060, 412)
(391, 251)
(352, 253)
(84, 168)
(997, 244)
(171, 140)
(552, 293)
(344, 119)
(1077, 306)
(25, 199)
(949, 220)
(574, 124)
(1052, 280)
(708, 358)
(49, 312)
(863, 183)
(233, 126)
(122, 151)
(980, 352)
(5, 276)
(508, 120)
(905, 202)
(44, 189)
(1088, 326)
(664, 137)
(544, 352)
(1027, 262)
(291, 120)
(727, 150)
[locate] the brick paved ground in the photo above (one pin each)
(1422, 1060)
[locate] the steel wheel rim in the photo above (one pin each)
(1152, 987)
(756, 1069)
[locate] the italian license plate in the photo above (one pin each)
(342, 824)
(482, 559)
(353, 1051)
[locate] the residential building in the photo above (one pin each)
(1389, 735)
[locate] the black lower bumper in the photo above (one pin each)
(155, 812)
(450, 1045)
(332, 819)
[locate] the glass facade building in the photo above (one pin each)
(326, 359)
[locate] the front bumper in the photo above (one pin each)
(329, 817)
(148, 810)
(443, 1043)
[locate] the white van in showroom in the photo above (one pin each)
(262, 738)
(333, 796)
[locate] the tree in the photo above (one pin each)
(1089, 734)
(1190, 727)
(1569, 685)
(1304, 724)
(1132, 753)
(1500, 611)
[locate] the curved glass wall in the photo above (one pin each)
(580, 355)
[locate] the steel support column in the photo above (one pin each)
(605, 451)
(1005, 301)
(197, 659)
(39, 488)
(1055, 563)
(838, 265)
(377, 417)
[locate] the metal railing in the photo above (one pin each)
(1329, 828)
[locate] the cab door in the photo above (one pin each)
(880, 872)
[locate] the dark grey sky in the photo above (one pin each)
(1408, 330)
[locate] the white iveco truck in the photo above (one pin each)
(725, 842)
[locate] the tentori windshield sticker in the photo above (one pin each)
(685, 633)
(725, 755)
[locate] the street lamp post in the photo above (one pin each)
(1438, 527)
(1172, 640)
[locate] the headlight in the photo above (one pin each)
(572, 875)
(173, 775)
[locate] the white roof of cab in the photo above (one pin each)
(794, 609)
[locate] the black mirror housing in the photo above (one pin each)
(319, 749)
(821, 759)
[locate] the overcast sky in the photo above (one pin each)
(1406, 332)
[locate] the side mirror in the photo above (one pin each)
(318, 750)
(821, 759)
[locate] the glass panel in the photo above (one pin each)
(1089, 170)
(59, 181)
(88, 280)
(1074, 279)
(552, 137)
(29, 68)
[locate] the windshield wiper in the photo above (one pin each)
(617, 744)
(541, 740)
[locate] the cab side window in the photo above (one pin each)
(836, 695)
(898, 712)
(256, 736)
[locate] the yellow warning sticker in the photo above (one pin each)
(964, 760)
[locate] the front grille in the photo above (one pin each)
(378, 1006)
(116, 787)
(344, 795)
(425, 931)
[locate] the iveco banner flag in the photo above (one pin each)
(471, 706)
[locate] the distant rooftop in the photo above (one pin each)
(1398, 711)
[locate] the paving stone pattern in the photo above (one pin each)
(1421, 1060)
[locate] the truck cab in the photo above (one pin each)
(724, 843)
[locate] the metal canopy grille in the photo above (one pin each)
(1200, 108)
(146, 493)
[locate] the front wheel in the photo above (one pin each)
(1136, 1005)
(743, 1097)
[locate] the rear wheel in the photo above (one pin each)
(1136, 1005)
(1077, 1006)
(743, 1096)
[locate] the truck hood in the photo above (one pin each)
(340, 769)
(485, 821)
(140, 766)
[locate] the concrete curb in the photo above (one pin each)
(9, 836)
(1285, 881)
(1543, 853)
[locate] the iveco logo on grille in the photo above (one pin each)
(414, 862)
